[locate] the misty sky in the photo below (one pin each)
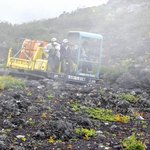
(19, 11)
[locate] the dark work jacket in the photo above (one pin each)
(65, 53)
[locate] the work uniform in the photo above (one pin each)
(65, 57)
(53, 50)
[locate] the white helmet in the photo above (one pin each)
(53, 40)
(65, 40)
(55, 43)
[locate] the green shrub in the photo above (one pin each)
(126, 63)
(101, 114)
(9, 82)
(131, 143)
(128, 97)
(75, 106)
(122, 118)
(50, 97)
(86, 133)
(111, 73)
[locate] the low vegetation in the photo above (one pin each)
(112, 73)
(128, 97)
(131, 143)
(9, 82)
(86, 133)
(101, 114)
(50, 97)
(75, 106)
(122, 118)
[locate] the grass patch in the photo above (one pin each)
(128, 97)
(122, 118)
(131, 143)
(50, 97)
(75, 107)
(86, 133)
(9, 82)
(101, 114)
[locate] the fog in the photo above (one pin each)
(16, 11)
(75, 80)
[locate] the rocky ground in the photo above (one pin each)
(47, 115)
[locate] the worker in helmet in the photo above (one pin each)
(53, 40)
(53, 50)
(65, 56)
(50, 45)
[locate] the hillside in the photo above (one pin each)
(124, 25)
(49, 115)
(112, 113)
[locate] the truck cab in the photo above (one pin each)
(87, 49)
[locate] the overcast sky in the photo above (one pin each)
(19, 11)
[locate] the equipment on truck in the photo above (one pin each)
(85, 50)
